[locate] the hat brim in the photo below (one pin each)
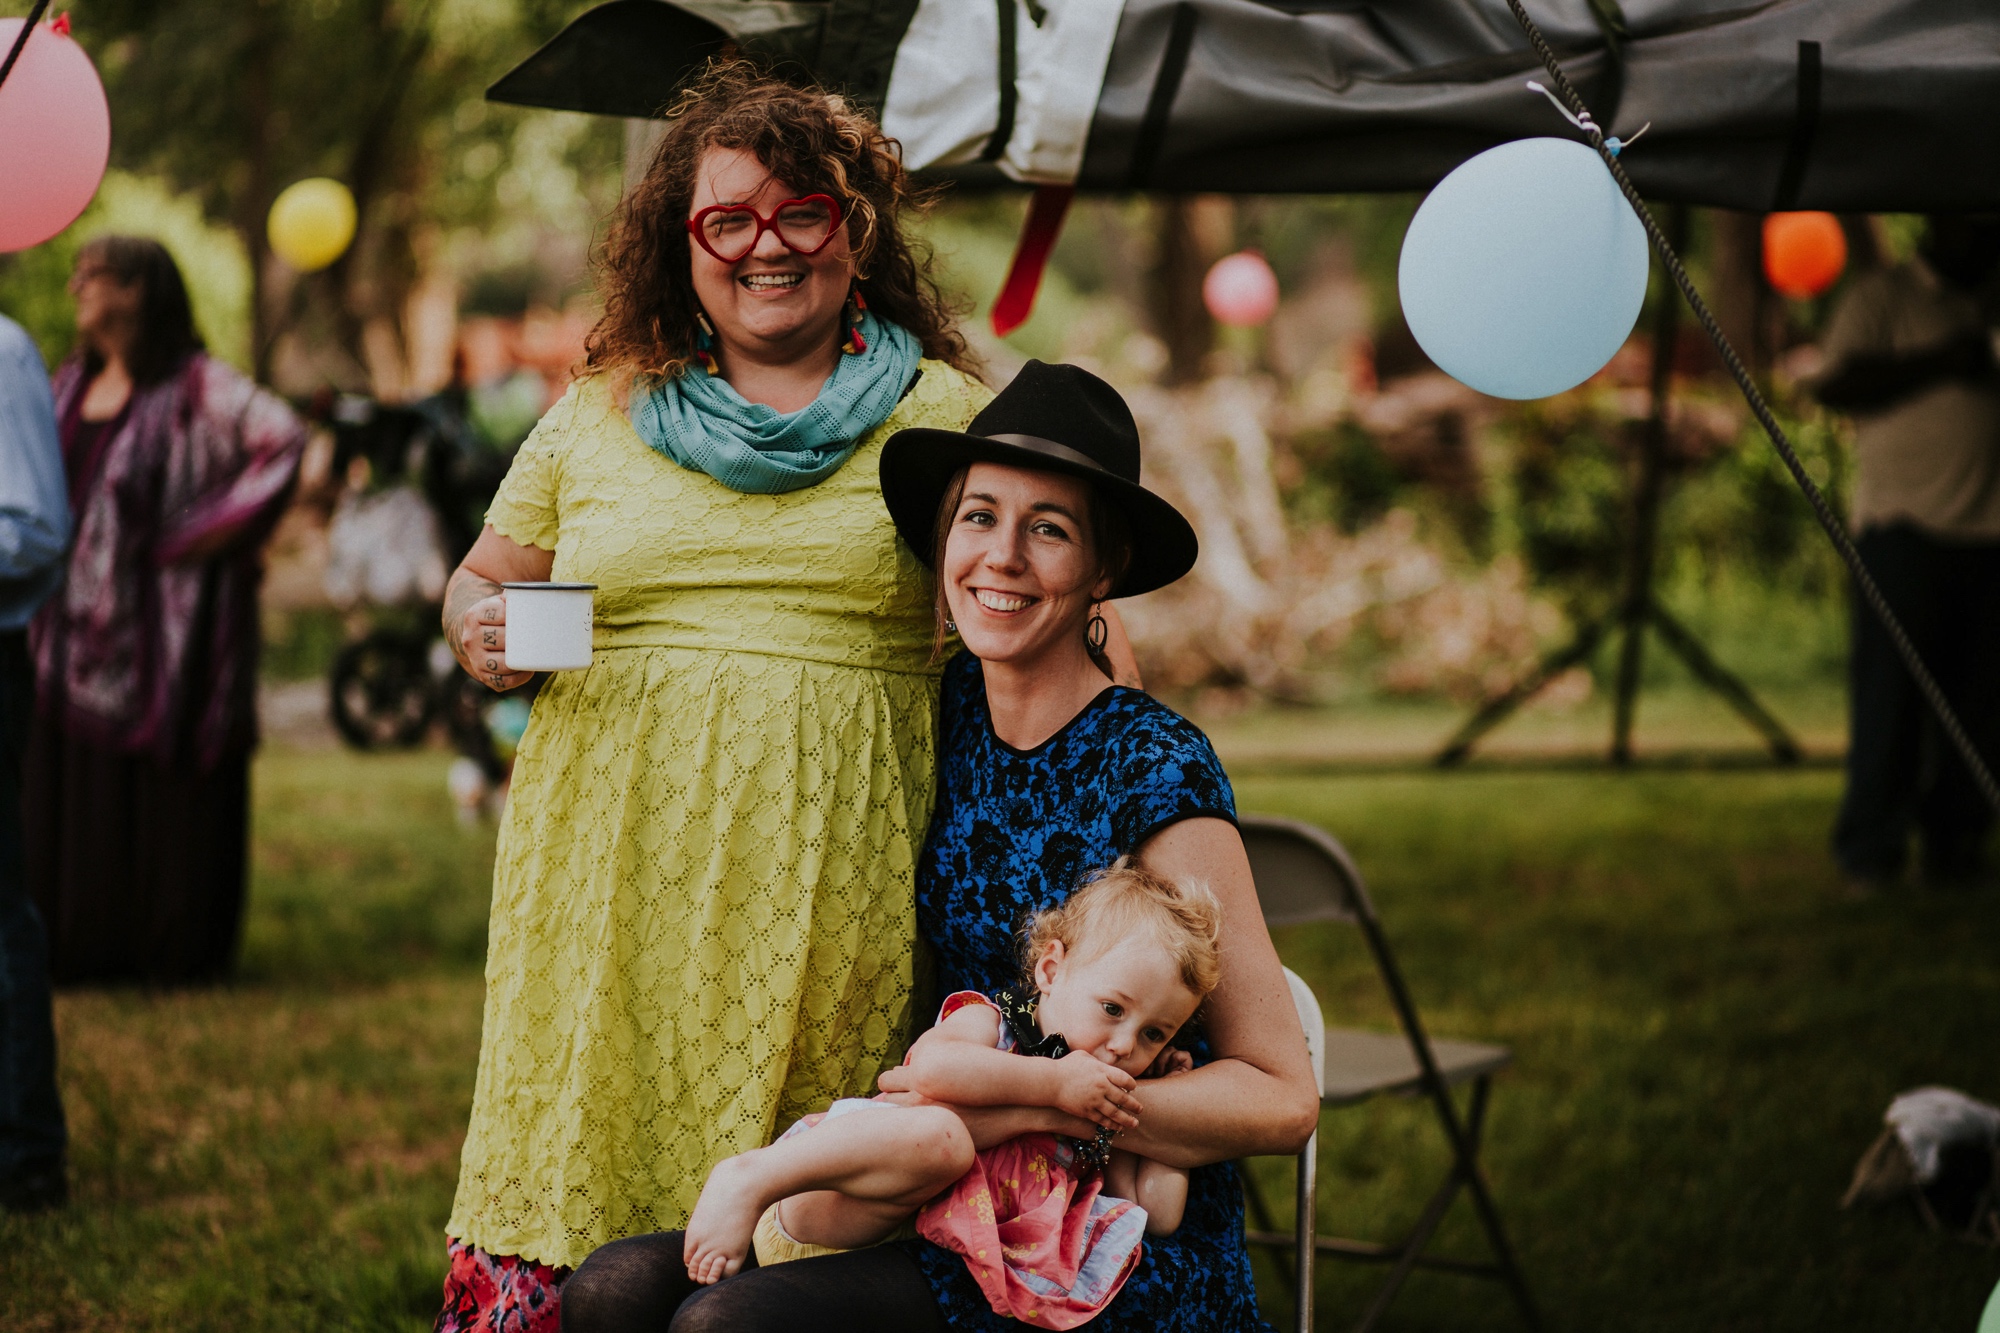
(919, 463)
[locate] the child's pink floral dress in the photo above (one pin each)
(1044, 1243)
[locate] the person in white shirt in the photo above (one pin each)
(1910, 355)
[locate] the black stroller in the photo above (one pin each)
(388, 686)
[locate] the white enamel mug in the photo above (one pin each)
(548, 625)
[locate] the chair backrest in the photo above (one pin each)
(1314, 1022)
(1302, 873)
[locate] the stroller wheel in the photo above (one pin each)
(381, 690)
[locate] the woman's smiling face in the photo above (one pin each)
(773, 300)
(1020, 567)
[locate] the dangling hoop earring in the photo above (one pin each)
(855, 344)
(704, 343)
(1096, 633)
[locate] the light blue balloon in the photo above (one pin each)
(1524, 271)
(1990, 1321)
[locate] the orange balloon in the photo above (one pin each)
(1804, 253)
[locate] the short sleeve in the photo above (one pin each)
(526, 508)
(961, 999)
(1166, 771)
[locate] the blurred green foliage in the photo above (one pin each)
(301, 643)
(211, 259)
(220, 107)
(1345, 480)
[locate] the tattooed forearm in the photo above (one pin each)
(466, 591)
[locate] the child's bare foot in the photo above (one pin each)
(725, 1217)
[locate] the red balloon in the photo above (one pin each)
(55, 135)
(1804, 253)
(1241, 289)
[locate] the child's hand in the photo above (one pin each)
(1171, 1061)
(1088, 1088)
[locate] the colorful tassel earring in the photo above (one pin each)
(855, 344)
(704, 343)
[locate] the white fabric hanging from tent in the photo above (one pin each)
(943, 102)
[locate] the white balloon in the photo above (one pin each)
(1524, 270)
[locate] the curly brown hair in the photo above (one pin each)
(814, 142)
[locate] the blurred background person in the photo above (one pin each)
(1910, 354)
(138, 761)
(34, 527)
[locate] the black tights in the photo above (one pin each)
(639, 1285)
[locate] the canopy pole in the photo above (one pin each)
(1637, 608)
(1864, 582)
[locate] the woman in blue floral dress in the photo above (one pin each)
(1031, 519)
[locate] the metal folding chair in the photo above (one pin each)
(1303, 874)
(1307, 1167)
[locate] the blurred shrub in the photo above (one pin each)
(211, 260)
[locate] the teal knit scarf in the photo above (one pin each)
(697, 420)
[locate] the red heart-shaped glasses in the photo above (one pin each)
(731, 231)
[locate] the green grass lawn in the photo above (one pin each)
(1706, 1035)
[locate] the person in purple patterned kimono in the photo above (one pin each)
(137, 773)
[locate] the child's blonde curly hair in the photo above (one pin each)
(1126, 899)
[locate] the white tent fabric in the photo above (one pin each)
(943, 102)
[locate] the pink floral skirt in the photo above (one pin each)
(499, 1293)
(1042, 1240)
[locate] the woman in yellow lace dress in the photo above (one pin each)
(702, 909)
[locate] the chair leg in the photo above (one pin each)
(1412, 1248)
(1464, 1174)
(1307, 1227)
(1489, 1216)
(1260, 1212)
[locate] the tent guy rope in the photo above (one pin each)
(14, 53)
(1835, 531)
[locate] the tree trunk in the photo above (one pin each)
(1743, 301)
(370, 285)
(255, 199)
(1180, 319)
(642, 140)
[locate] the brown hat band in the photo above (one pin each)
(1060, 452)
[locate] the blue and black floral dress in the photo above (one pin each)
(1014, 831)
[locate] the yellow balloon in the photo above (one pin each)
(311, 223)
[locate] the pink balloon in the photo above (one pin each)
(55, 135)
(1241, 289)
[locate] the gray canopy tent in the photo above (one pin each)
(1843, 105)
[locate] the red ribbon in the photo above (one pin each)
(1031, 256)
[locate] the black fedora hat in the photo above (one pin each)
(1051, 419)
